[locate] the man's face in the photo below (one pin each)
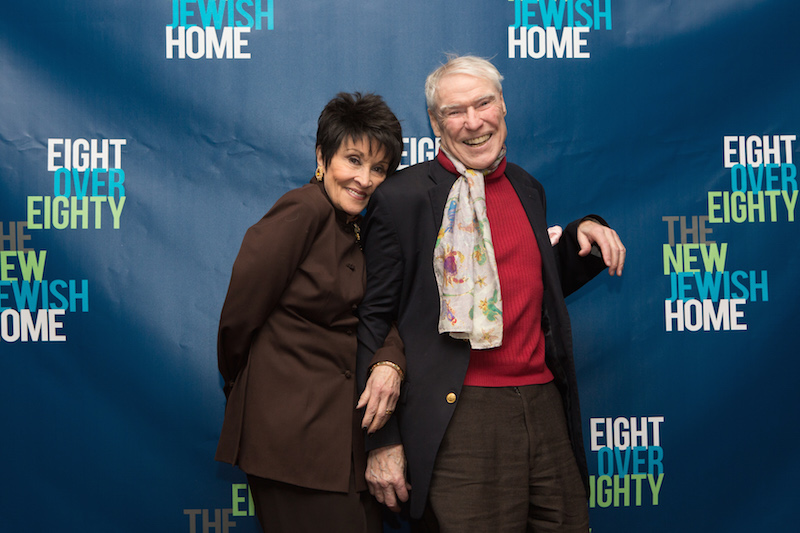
(470, 119)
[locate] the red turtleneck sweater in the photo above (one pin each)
(520, 359)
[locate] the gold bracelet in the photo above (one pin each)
(390, 364)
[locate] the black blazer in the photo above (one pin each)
(403, 219)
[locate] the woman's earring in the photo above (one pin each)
(319, 174)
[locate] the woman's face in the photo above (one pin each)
(352, 175)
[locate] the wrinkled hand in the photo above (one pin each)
(380, 397)
(590, 232)
(386, 476)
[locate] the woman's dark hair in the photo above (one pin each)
(356, 116)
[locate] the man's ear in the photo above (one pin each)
(435, 124)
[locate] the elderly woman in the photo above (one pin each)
(287, 343)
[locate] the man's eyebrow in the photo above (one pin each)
(446, 107)
(492, 96)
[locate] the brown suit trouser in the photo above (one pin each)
(506, 465)
(284, 508)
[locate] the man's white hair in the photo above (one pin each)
(469, 65)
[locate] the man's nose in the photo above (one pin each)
(473, 119)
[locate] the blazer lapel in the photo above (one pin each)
(443, 181)
(533, 205)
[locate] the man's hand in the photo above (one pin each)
(386, 476)
(590, 232)
(380, 397)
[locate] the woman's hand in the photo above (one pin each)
(380, 397)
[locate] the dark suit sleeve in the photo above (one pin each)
(268, 258)
(575, 271)
(392, 350)
(379, 308)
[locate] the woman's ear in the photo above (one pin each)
(320, 163)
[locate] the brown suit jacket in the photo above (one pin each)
(287, 347)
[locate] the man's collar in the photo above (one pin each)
(445, 161)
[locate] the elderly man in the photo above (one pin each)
(458, 254)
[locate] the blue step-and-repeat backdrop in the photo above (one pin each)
(138, 141)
